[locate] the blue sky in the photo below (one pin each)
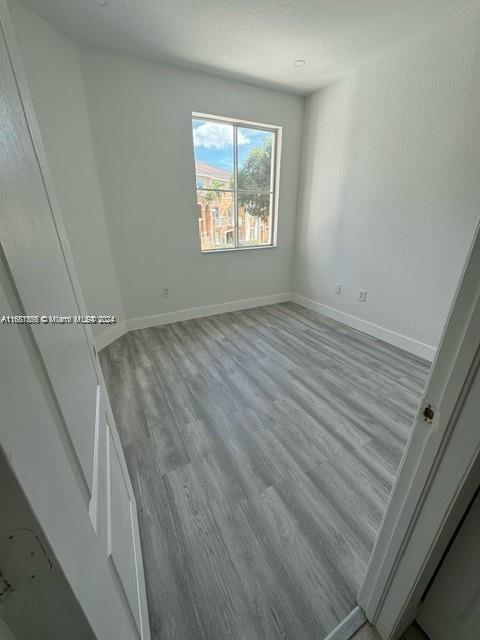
(213, 143)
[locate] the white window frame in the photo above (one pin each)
(277, 151)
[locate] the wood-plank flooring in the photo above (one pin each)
(262, 446)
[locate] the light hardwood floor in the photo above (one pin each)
(262, 446)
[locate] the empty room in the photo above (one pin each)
(240, 320)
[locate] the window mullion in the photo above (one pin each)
(257, 230)
(235, 181)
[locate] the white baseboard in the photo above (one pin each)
(348, 626)
(110, 335)
(118, 330)
(397, 339)
(210, 310)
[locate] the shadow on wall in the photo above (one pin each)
(390, 191)
(328, 127)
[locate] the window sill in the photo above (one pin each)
(235, 249)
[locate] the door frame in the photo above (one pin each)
(438, 474)
(103, 406)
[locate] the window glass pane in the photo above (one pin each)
(255, 149)
(254, 219)
(213, 146)
(230, 189)
(216, 222)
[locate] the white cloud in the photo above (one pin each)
(213, 135)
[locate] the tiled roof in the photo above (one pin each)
(206, 170)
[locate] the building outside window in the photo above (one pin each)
(236, 178)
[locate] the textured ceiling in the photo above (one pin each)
(253, 40)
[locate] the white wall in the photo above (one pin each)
(389, 196)
(391, 188)
(52, 67)
(141, 122)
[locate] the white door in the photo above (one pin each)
(439, 472)
(58, 430)
(451, 610)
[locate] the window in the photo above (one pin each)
(235, 166)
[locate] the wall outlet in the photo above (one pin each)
(362, 296)
(338, 287)
(165, 292)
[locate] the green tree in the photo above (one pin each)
(254, 176)
(210, 196)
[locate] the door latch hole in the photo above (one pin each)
(428, 413)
